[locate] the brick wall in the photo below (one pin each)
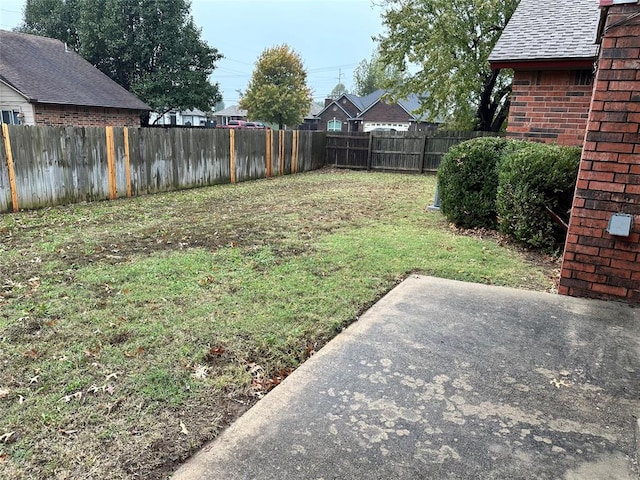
(597, 264)
(330, 114)
(387, 112)
(549, 106)
(64, 115)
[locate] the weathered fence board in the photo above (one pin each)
(349, 151)
(395, 151)
(57, 165)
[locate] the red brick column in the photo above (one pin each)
(597, 264)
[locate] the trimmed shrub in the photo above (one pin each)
(468, 182)
(531, 178)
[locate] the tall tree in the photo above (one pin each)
(338, 91)
(150, 47)
(278, 91)
(370, 75)
(448, 44)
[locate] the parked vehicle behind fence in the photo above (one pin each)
(244, 124)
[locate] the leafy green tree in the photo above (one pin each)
(278, 92)
(370, 75)
(447, 45)
(150, 47)
(338, 91)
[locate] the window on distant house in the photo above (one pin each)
(584, 77)
(11, 117)
(334, 125)
(172, 119)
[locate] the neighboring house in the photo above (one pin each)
(186, 118)
(551, 47)
(44, 83)
(351, 113)
(222, 117)
(311, 120)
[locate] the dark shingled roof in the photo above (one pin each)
(410, 104)
(549, 30)
(42, 70)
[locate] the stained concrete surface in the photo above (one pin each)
(450, 380)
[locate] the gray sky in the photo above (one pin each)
(331, 36)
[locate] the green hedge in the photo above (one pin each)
(496, 182)
(468, 182)
(531, 178)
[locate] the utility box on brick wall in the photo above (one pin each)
(602, 252)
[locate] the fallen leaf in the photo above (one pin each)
(206, 281)
(559, 383)
(21, 400)
(3, 457)
(4, 392)
(33, 380)
(113, 375)
(213, 352)
(111, 406)
(72, 396)
(309, 351)
(94, 388)
(110, 389)
(183, 429)
(216, 350)
(135, 353)
(6, 437)
(92, 352)
(32, 354)
(201, 372)
(68, 432)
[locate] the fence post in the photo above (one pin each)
(111, 163)
(10, 167)
(232, 152)
(294, 152)
(127, 161)
(424, 153)
(281, 157)
(369, 159)
(268, 158)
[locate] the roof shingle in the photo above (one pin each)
(44, 71)
(549, 30)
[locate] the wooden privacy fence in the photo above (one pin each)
(45, 166)
(397, 151)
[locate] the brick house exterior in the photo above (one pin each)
(350, 113)
(597, 263)
(551, 48)
(62, 115)
(388, 112)
(550, 105)
(44, 83)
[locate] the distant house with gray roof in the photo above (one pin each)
(351, 113)
(180, 118)
(44, 83)
(551, 48)
(222, 117)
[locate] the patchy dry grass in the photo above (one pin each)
(132, 331)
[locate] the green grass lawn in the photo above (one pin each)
(132, 331)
